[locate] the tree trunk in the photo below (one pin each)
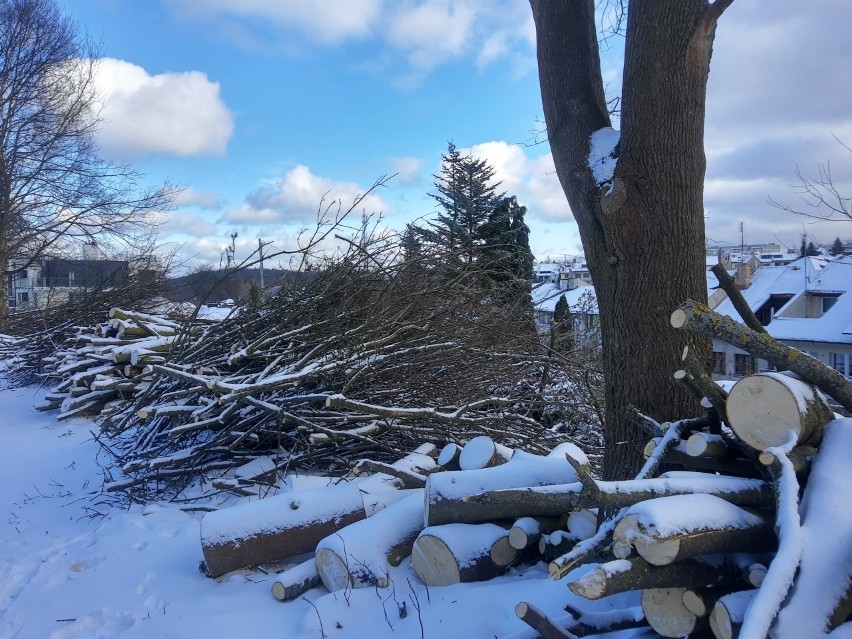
(643, 229)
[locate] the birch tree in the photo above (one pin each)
(638, 196)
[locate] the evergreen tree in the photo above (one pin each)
(507, 241)
(412, 245)
(836, 247)
(803, 249)
(467, 197)
(562, 327)
(813, 250)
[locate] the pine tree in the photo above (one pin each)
(812, 250)
(836, 247)
(467, 197)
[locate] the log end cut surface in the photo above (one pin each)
(434, 563)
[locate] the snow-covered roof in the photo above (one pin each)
(581, 299)
(805, 276)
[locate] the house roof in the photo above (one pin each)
(805, 276)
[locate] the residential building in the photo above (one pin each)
(806, 305)
(52, 280)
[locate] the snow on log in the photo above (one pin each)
(822, 593)
(667, 614)
(622, 575)
(527, 531)
(359, 555)
(446, 492)
(764, 408)
(296, 581)
(483, 452)
(461, 553)
(277, 527)
(448, 458)
(707, 445)
(582, 524)
(408, 472)
(728, 614)
(668, 529)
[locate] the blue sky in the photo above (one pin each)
(260, 107)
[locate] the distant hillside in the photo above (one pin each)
(214, 285)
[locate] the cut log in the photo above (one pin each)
(408, 472)
(277, 527)
(821, 597)
(450, 503)
(446, 492)
(296, 581)
(622, 575)
(728, 614)
(541, 623)
(358, 555)
(555, 544)
(667, 615)
(669, 529)
(582, 524)
(699, 318)
(764, 408)
(461, 553)
(448, 458)
(707, 445)
(483, 452)
(700, 601)
(527, 531)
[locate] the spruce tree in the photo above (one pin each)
(562, 327)
(467, 197)
(836, 247)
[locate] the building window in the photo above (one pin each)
(744, 365)
(827, 303)
(719, 363)
(23, 298)
(838, 362)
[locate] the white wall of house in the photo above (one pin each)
(732, 363)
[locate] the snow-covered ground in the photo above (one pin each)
(72, 565)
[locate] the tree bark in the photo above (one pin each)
(461, 553)
(296, 581)
(622, 575)
(643, 230)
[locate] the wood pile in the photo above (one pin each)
(745, 534)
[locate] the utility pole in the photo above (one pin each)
(260, 245)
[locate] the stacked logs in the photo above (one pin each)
(358, 529)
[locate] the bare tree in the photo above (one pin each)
(55, 187)
(821, 196)
(642, 222)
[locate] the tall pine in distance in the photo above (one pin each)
(477, 228)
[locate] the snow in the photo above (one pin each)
(667, 516)
(76, 566)
(601, 154)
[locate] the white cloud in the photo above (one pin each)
(182, 223)
(327, 22)
(298, 196)
(431, 32)
(170, 113)
(408, 171)
(188, 196)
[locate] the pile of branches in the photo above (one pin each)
(372, 357)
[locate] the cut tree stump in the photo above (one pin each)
(764, 408)
(277, 527)
(358, 555)
(461, 553)
(667, 614)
